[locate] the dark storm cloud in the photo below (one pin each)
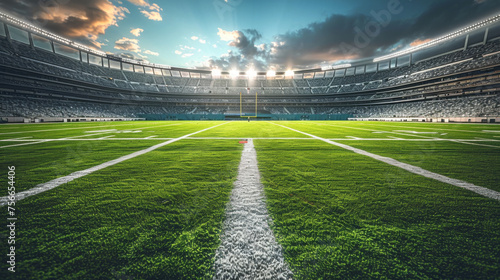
(446, 16)
(82, 21)
(355, 36)
(342, 37)
(246, 55)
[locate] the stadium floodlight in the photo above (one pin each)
(339, 66)
(234, 73)
(289, 73)
(216, 73)
(271, 73)
(251, 74)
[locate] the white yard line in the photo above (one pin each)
(248, 248)
(51, 140)
(389, 138)
(377, 131)
(87, 127)
(106, 137)
(411, 168)
(475, 144)
(69, 128)
(38, 141)
(429, 128)
(421, 136)
(63, 180)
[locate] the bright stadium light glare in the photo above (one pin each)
(271, 73)
(251, 74)
(216, 72)
(234, 73)
(289, 73)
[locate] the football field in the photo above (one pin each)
(345, 200)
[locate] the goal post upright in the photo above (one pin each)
(241, 106)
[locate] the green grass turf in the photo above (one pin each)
(40, 163)
(446, 131)
(340, 215)
(13, 131)
(474, 164)
(157, 216)
(160, 129)
(330, 129)
(254, 129)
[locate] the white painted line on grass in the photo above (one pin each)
(415, 134)
(63, 180)
(47, 140)
(248, 248)
(57, 129)
(87, 127)
(377, 131)
(105, 137)
(475, 144)
(411, 168)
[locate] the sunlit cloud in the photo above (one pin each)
(154, 9)
(136, 31)
(83, 21)
(151, 53)
(228, 35)
(128, 44)
(152, 15)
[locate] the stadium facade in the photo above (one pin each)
(45, 77)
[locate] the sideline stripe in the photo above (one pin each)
(248, 248)
(411, 168)
(63, 180)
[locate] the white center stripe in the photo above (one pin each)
(248, 247)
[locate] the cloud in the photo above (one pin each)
(154, 9)
(342, 37)
(178, 52)
(214, 45)
(418, 42)
(152, 15)
(137, 31)
(82, 21)
(228, 35)
(186, 55)
(128, 44)
(245, 54)
(151, 53)
(194, 38)
(202, 41)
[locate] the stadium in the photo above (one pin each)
(382, 166)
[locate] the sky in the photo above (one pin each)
(251, 34)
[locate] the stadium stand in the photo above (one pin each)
(37, 82)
